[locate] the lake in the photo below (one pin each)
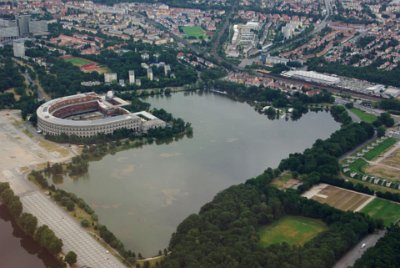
(142, 194)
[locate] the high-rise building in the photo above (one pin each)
(19, 48)
(38, 27)
(110, 77)
(150, 75)
(23, 24)
(9, 32)
(131, 77)
(167, 69)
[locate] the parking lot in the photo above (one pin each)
(74, 237)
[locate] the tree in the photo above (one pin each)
(380, 131)
(71, 257)
(28, 223)
(85, 223)
(4, 186)
(47, 239)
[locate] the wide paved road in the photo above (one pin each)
(354, 254)
(90, 252)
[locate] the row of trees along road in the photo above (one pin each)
(43, 235)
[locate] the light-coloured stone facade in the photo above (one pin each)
(52, 116)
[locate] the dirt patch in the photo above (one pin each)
(385, 172)
(339, 198)
(393, 159)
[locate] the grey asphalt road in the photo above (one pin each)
(355, 253)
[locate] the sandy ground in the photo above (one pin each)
(21, 148)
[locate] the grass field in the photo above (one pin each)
(380, 148)
(366, 117)
(285, 180)
(357, 165)
(388, 211)
(78, 61)
(194, 32)
(341, 198)
(292, 230)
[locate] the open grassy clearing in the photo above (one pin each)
(292, 230)
(358, 165)
(285, 180)
(341, 198)
(366, 117)
(78, 61)
(380, 148)
(388, 211)
(194, 32)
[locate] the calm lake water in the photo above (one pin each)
(17, 250)
(143, 194)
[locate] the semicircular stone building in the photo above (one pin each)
(89, 114)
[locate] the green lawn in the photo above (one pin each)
(292, 230)
(78, 61)
(366, 117)
(194, 32)
(379, 149)
(388, 211)
(357, 165)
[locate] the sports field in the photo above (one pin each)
(388, 211)
(338, 197)
(77, 61)
(194, 32)
(292, 230)
(366, 117)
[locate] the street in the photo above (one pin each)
(354, 254)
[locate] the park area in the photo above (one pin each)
(339, 198)
(195, 32)
(386, 210)
(85, 65)
(292, 230)
(366, 117)
(377, 163)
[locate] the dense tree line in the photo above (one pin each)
(9, 75)
(385, 254)
(276, 98)
(368, 73)
(392, 105)
(115, 243)
(321, 158)
(340, 114)
(224, 232)
(28, 223)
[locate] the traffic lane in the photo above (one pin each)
(357, 251)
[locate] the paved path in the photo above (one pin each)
(356, 252)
